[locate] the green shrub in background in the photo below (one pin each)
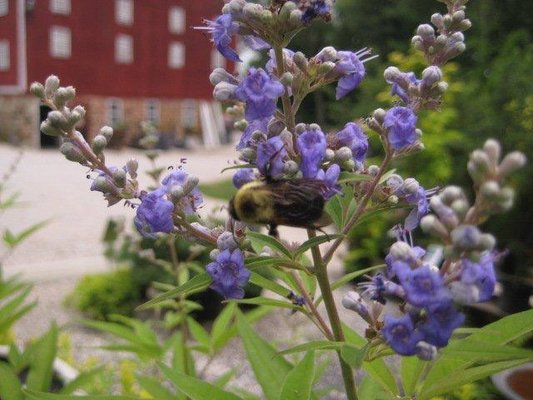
(100, 295)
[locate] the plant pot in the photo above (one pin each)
(63, 372)
(515, 383)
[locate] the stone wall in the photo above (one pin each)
(19, 120)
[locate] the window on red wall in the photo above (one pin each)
(4, 7)
(4, 55)
(124, 12)
(176, 20)
(124, 49)
(60, 42)
(176, 55)
(60, 7)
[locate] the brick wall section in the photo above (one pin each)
(19, 120)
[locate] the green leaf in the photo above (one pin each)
(369, 389)
(313, 242)
(42, 359)
(484, 351)
(334, 209)
(36, 395)
(410, 371)
(84, 379)
(315, 345)
(198, 332)
(260, 240)
(194, 388)
(15, 240)
(387, 175)
(265, 301)
(268, 284)
(10, 386)
(349, 277)
(262, 261)
(299, 382)
(270, 369)
(456, 379)
(353, 356)
(353, 177)
(155, 388)
(10, 201)
(196, 284)
(221, 325)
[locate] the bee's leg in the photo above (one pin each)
(273, 231)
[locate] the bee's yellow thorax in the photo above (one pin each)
(253, 203)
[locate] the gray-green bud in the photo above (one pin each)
(107, 132)
(430, 224)
(51, 85)
(329, 155)
(191, 182)
(343, 154)
(286, 79)
(221, 75)
(426, 31)
(464, 25)
(487, 242)
(241, 124)
(348, 165)
(373, 170)
(252, 11)
(300, 128)
(275, 127)
(80, 110)
(176, 192)
(490, 189)
(224, 91)
(300, 60)
(511, 162)
(458, 16)
(379, 115)
(57, 120)
(328, 53)
(50, 130)
(437, 20)
(132, 165)
(493, 150)
(98, 144)
(295, 19)
(102, 184)
(286, 10)
(72, 153)
(248, 154)
(37, 89)
(466, 237)
(290, 167)
(119, 177)
(326, 67)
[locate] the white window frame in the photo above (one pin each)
(123, 49)
(5, 61)
(152, 111)
(60, 42)
(4, 7)
(217, 59)
(176, 55)
(124, 12)
(114, 111)
(176, 19)
(189, 114)
(62, 7)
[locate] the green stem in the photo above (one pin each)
(333, 315)
(285, 100)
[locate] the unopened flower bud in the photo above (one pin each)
(401, 250)
(107, 132)
(392, 74)
(51, 85)
(506, 195)
(290, 167)
(430, 224)
(392, 199)
(447, 21)
(300, 128)
(72, 153)
(300, 60)
(98, 144)
(275, 127)
(57, 120)
(102, 184)
(63, 95)
(481, 162)
(451, 193)
(224, 91)
(176, 193)
(132, 165)
(295, 19)
(425, 31)
(373, 170)
(286, 79)
(464, 25)
(460, 207)
(252, 11)
(328, 53)
(266, 17)
(511, 162)
(214, 254)
(247, 154)
(286, 10)
(353, 301)
(37, 89)
(437, 20)
(119, 178)
(191, 182)
(50, 130)
(410, 185)
(379, 115)
(221, 75)
(442, 87)
(226, 241)
(329, 155)
(348, 165)
(490, 189)
(466, 237)
(458, 16)
(431, 75)
(417, 43)
(241, 124)
(343, 154)
(326, 67)
(286, 137)
(493, 150)
(487, 242)
(426, 351)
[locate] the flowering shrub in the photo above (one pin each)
(412, 304)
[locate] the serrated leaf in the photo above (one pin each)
(196, 284)
(316, 241)
(456, 379)
(262, 240)
(10, 386)
(270, 369)
(298, 384)
(194, 388)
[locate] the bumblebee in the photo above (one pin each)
(295, 202)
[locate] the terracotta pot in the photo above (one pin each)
(516, 383)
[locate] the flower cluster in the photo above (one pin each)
(423, 289)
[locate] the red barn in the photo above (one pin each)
(130, 61)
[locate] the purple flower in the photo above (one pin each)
(403, 79)
(480, 274)
(401, 335)
(424, 287)
(352, 136)
(314, 8)
(419, 199)
(255, 43)
(441, 320)
(330, 177)
(229, 274)
(260, 92)
(270, 156)
(222, 29)
(271, 64)
(352, 70)
(193, 198)
(154, 214)
(379, 286)
(400, 123)
(243, 176)
(255, 125)
(312, 147)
